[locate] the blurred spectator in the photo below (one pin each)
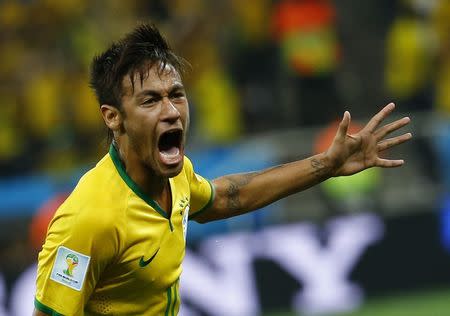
(362, 27)
(441, 23)
(49, 117)
(259, 65)
(441, 139)
(216, 107)
(410, 51)
(252, 61)
(306, 33)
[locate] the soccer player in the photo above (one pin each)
(116, 245)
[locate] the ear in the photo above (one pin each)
(112, 117)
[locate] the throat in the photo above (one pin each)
(155, 187)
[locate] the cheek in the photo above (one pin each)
(184, 113)
(186, 120)
(142, 122)
(140, 134)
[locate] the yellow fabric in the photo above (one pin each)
(408, 57)
(86, 113)
(214, 89)
(11, 136)
(442, 88)
(252, 17)
(441, 24)
(44, 113)
(106, 219)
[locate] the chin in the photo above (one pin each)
(172, 171)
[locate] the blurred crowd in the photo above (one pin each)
(256, 66)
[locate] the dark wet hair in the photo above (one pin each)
(133, 54)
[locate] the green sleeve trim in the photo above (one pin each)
(210, 202)
(169, 301)
(175, 296)
(45, 309)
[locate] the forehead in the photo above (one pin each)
(156, 76)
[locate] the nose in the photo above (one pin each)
(169, 111)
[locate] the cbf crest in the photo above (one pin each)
(184, 204)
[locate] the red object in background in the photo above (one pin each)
(293, 15)
(42, 218)
(306, 33)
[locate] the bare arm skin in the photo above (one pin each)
(241, 193)
(348, 154)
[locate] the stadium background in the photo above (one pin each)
(268, 81)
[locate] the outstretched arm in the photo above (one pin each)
(348, 154)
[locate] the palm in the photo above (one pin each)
(353, 153)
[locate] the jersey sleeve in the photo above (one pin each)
(77, 249)
(202, 191)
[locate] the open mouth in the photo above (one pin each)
(169, 146)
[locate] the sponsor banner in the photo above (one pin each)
(306, 267)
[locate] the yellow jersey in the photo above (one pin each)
(112, 250)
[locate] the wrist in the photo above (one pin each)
(331, 163)
(323, 166)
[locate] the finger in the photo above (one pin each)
(389, 128)
(389, 163)
(394, 141)
(343, 126)
(379, 117)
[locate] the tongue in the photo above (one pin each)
(170, 155)
(172, 151)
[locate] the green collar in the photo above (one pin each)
(131, 184)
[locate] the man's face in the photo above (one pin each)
(156, 119)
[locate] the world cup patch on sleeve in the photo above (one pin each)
(70, 268)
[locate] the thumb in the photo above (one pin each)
(343, 126)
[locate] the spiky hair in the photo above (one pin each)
(131, 55)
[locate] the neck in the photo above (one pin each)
(151, 184)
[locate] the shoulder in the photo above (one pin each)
(188, 168)
(188, 164)
(97, 203)
(102, 179)
(188, 172)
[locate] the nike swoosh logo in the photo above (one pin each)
(143, 263)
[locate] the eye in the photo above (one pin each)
(177, 95)
(150, 101)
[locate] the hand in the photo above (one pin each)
(350, 154)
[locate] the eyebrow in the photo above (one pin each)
(177, 86)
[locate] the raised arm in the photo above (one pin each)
(348, 154)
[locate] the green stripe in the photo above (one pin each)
(175, 294)
(45, 309)
(211, 200)
(169, 299)
(131, 184)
